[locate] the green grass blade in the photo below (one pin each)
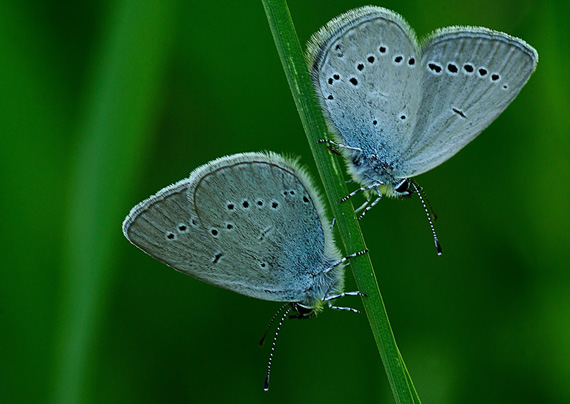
(330, 172)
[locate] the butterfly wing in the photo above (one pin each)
(470, 75)
(365, 69)
(266, 218)
(164, 227)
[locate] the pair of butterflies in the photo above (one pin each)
(254, 223)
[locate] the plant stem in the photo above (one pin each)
(330, 172)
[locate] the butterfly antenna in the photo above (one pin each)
(433, 215)
(419, 190)
(266, 383)
(271, 322)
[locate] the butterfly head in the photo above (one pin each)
(400, 188)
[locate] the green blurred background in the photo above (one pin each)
(104, 103)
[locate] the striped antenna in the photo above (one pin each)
(266, 383)
(420, 191)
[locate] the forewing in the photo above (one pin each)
(470, 75)
(365, 69)
(164, 227)
(266, 222)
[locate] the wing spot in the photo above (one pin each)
(353, 81)
(338, 50)
(230, 226)
(259, 203)
(288, 192)
(171, 236)
(398, 59)
(371, 59)
(305, 199)
(182, 228)
(275, 205)
(360, 67)
(482, 72)
(383, 49)
(230, 206)
(214, 232)
(452, 68)
(495, 77)
(264, 233)
(245, 204)
(434, 67)
(411, 61)
(468, 68)
(330, 97)
(217, 257)
(459, 112)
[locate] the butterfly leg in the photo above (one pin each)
(343, 294)
(366, 188)
(328, 299)
(332, 224)
(361, 206)
(374, 202)
(341, 146)
(343, 259)
(344, 308)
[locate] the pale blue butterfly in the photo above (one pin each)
(398, 108)
(252, 223)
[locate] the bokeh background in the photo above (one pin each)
(105, 102)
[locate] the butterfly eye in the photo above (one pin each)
(403, 187)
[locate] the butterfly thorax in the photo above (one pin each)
(377, 172)
(321, 285)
